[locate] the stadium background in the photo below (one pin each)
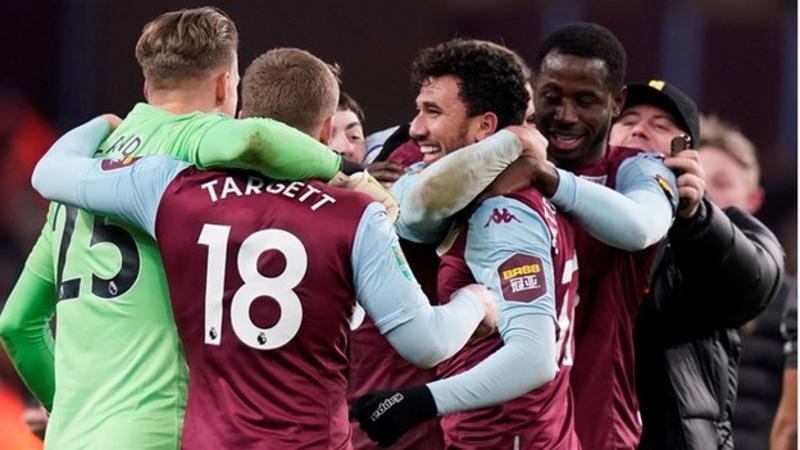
(67, 60)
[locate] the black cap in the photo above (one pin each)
(672, 100)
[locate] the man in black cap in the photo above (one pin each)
(716, 270)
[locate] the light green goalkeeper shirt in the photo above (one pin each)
(116, 377)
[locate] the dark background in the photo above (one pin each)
(65, 61)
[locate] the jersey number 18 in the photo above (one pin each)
(280, 288)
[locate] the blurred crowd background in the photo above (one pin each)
(68, 60)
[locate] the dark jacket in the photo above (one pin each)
(760, 375)
(716, 272)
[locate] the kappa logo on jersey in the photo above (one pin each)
(499, 217)
(111, 164)
(522, 278)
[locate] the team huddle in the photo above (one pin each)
(207, 271)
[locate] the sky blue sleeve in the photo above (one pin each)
(391, 296)
(646, 172)
(499, 254)
(635, 216)
(129, 189)
(520, 238)
(131, 193)
(426, 233)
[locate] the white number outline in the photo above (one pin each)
(280, 288)
(566, 335)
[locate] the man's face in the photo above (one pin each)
(645, 127)
(347, 137)
(441, 124)
(574, 107)
(727, 182)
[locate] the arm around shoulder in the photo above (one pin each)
(267, 146)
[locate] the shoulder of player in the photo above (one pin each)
(530, 197)
(511, 208)
(626, 155)
(347, 195)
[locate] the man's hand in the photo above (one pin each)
(489, 322)
(387, 415)
(691, 181)
(534, 144)
(112, 120)
(363, 182)
(525, 172)
(386, 172)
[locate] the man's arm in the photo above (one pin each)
(129, 189)
(636, 215)
(25, 321)
(730, 266)
(267, 146)
(450, 184)
(527, 321)
(386, 288)
(632, 218)
(527, 326)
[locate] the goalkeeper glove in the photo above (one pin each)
(365, 183)
(387, 415)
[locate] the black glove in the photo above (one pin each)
(387, 415)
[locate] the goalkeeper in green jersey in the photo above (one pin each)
(115, 376)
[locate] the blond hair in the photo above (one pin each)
(721, 135)
(182, 45)
(292, 86)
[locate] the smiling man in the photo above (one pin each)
(578, 89)
(468, 90)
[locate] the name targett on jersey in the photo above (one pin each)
(297, 190)
(522, 278)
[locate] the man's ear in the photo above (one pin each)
(618, 102)
(221, 87)
(326, 130)
(755, 199)
(487, 125)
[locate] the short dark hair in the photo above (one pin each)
(292, 86)
(348, 103)
(591, 41)
(491, 77)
